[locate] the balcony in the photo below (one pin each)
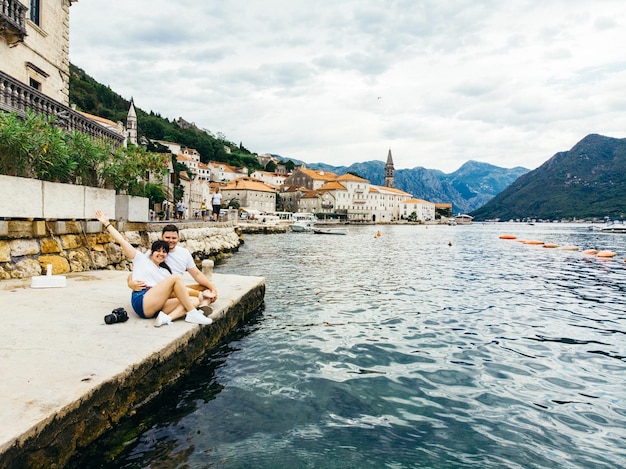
(13, 21)
(15, 96)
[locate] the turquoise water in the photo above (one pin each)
(437, 347)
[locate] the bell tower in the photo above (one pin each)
(131, 124)
(389, 170)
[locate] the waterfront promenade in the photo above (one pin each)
(67, 376)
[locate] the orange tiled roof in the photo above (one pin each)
(319, 174)
(333, 186)
(351, 177)
(416, 201)
(247, 184)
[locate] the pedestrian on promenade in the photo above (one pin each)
(180, 261)
(180, 209)
(165, 295)
(203, 210)
(216, 202)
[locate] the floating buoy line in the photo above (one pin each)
(603, 254)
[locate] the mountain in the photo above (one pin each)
(585, 182)
(467, 188)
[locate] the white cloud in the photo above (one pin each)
(508, 83)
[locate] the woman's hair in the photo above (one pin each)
(158, 246)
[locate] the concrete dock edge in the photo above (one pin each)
(109, 371)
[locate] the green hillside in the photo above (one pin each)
(588, 181)
(94, 98)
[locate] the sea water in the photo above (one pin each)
(424, 347)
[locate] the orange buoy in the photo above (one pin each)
(570, 248)
(591, 252)
(508, 236)
(550, 245)
(606, 254)
(533, 241)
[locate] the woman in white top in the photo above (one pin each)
(165, 294)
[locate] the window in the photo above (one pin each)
(35, 84)
(35, 13)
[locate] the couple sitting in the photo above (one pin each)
(156, 279)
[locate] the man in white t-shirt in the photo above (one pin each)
(179, 259)
(216, 203)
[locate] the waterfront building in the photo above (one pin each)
(309, 178)
(273, 179)
(250, 193)
(424, 211)
(35, 65)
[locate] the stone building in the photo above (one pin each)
(34, 45)
(251, 194)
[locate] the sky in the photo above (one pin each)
(437, 82)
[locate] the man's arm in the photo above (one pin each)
(135, 285)
(202, 279)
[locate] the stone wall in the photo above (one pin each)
(28, 247)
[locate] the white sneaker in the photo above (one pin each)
(162, 319)
(197, 317)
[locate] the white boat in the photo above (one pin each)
(302, 222)
(463, 219)
(331, 231)
(301, 226)
(614, 226)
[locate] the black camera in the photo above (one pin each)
(117, 315)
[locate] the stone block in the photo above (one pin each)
(4, 228)
(80, 260)
(74, 227)
(20, 197)
(70, 241)
(100, 259)
(39, 229)
(50, 246)
(20, 229)
(65, 201)
(5, 251)
(133, 237)
(26, 269)
(114, 253)
(102, 199)
(59, 264)
(92, 227)
(59, 227)
(132, 208)
(24, 247)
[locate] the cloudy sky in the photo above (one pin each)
(438, 82)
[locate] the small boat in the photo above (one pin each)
(301, 226)
(614, 226)
(302, 222)
(463, 219)
(331, 231)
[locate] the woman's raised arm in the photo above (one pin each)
(128, 248)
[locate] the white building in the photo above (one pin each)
(424, 211)
(250, 193)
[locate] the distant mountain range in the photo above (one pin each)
(467, 188)
(585, 182)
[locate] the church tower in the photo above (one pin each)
(131, 124)
(389, 170)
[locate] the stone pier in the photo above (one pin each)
(67, 376)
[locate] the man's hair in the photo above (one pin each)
(169, 228)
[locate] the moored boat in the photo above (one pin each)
(331, 231)
(463, 219)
